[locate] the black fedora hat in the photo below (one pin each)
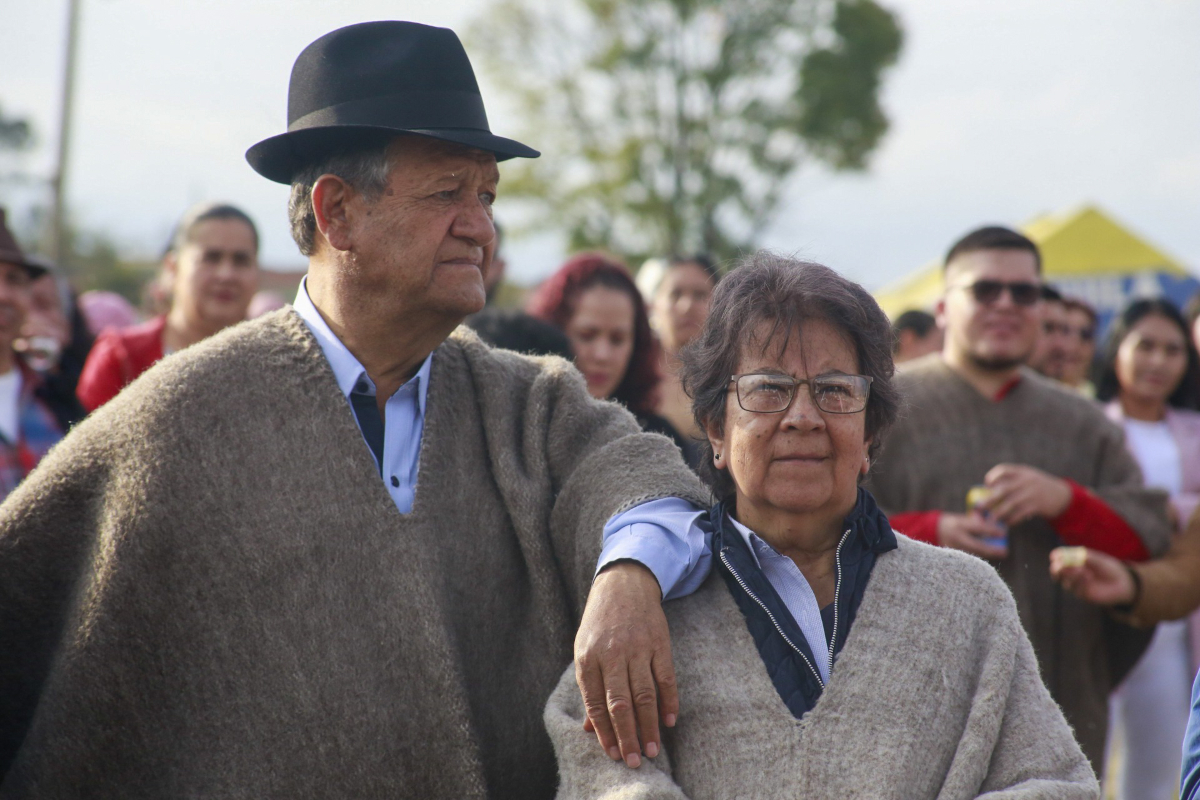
(376, 79)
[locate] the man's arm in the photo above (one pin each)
(656, 550)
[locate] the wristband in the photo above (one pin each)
(1127, 608)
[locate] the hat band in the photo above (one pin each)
(402, 111)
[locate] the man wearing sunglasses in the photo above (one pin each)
(1049, 467)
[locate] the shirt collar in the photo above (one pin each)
(752, 539)
(347, 369)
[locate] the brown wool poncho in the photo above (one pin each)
(206, 590)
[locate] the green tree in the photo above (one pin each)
(673, 125)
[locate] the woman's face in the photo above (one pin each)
(801, 462)
(601, 334)
(681, 305)
(1151, 359)
(215, 275)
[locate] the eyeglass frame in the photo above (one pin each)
(1010, 287)
(796, 383)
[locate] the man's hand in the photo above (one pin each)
(1100, 579)
(622, 651)
(1020, 493)
(967, 532)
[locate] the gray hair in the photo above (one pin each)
(365, 167)
(766, 288)
(185, 229)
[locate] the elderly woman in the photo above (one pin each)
(826, 656)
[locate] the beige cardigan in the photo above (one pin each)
(936, 694)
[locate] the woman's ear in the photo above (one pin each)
(717, 440)
(866, 462)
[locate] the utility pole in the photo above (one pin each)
(58, 183)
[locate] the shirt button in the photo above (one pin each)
(395, 482)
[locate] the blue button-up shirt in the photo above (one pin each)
(795, 592)
(666, 535)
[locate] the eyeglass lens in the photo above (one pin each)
(1022, 293)
(836, 394)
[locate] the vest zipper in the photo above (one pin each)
(837, 592)
(771, 616)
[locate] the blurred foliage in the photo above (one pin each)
(671, 126)
(92, 260)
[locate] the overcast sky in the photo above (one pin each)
(1000, 111)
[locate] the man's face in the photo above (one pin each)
(427, 242)
(14, 302)
(993, 333)
(1051, 355)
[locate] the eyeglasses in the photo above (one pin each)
(1084, 334)
(767, 393)
(986, 292)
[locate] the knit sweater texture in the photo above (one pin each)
(935, 695)
(206, 590)
(946, 441)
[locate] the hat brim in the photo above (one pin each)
(32, 268)
(280, 157)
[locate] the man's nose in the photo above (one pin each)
(474, 223)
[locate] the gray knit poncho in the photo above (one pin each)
(936, 694)
(206, 590)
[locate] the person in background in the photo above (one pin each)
(55, 340)
(677, 292)
(1052, 468)
(1149, 380)
(1081, 346)
(593, 299)
(515, 330)
(33, 415)
(212, 266)
(914, 334)
(1049, 355)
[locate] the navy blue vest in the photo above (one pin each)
(782, 646)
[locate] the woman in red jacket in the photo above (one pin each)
(212, 264)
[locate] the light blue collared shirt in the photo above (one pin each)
(404, 414)
(794, 591)
(668, 536)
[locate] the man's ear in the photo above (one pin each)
(939, 312)
(331, 198)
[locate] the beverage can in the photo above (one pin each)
(976, 496)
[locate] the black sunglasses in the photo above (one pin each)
(986, 292)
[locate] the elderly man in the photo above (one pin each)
(1053, 468)
(342, 551)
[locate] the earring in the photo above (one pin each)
(717, 456)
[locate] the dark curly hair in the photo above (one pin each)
(554, 301)
(766, 288)
(1187, 393)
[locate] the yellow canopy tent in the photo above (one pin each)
(1085, 254)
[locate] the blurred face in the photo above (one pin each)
(1151, 359)
(802, 462)
(428, 241)
(1081, 346)
(997, 334)
(14, 302)
(1053, 343)
(1196, 333)
(601, 334)
(681, 305)
(215, 274)
(45, 317)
